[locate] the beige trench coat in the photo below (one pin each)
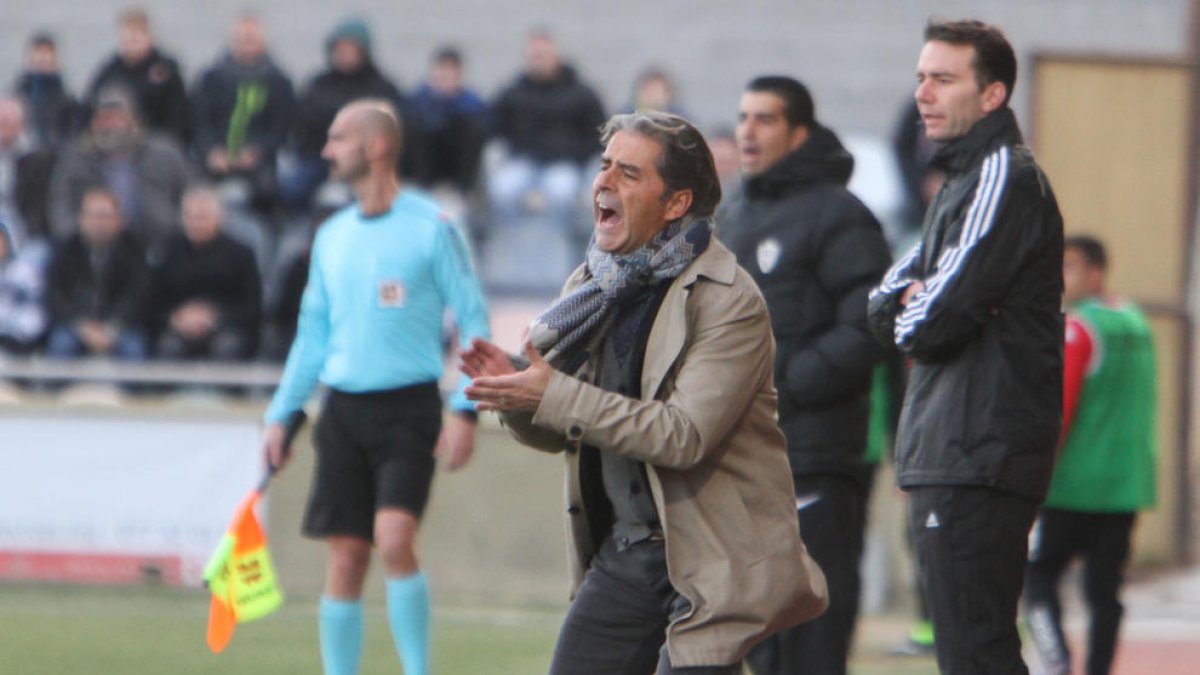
(716, 461)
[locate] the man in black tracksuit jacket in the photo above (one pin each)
(815, 251)
(976, 305)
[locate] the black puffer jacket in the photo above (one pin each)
(549, 120)
(984, 399)
(815, 251)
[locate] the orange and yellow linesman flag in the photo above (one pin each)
(240, 576)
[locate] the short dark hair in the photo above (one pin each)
(994, 58)
(448, 54)
(797, 102)
(42, 38)
(686, 162)
(1092, 249)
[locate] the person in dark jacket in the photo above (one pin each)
(24, 173)
(815, 251)
(451, 120)
(23, 315)
(153, 76)
(146, 171)
(97, 286)
(207, 298)
(351, 74)
(547, 120)
(976, 306)
(242, 113)
(54, 115)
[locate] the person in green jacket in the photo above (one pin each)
(1105, 471)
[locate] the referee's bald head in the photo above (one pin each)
(377, 116)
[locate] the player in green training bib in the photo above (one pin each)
(1105, 471)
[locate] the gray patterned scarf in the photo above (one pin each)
(568, 331)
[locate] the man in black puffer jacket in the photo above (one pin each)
(976, 305)
(547, 119)
(815, 251)
(351, 74)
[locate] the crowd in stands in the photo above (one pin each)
(147, 216)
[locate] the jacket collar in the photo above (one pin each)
(998, 127)
(717, 263)
(821, 159)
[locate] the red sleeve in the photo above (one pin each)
(1077, 356)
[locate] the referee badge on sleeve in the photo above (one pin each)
(391, 293)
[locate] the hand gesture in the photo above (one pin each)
(495, 382)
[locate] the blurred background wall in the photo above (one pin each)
(857, 56)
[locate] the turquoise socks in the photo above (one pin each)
(340, 625)
(408, 614)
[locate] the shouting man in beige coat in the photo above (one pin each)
(653, 372)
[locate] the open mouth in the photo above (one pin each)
(606, 213)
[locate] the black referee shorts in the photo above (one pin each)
(374, 450)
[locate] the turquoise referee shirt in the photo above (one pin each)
(371, 317)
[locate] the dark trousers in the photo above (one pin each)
(832, 529)
(617, 623)
(971, 545)
(1102, 540)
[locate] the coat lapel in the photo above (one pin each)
(669, 331)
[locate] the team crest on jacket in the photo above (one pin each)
(768, 254)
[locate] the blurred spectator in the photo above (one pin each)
(727, 160)
(206, 300)
(152, 76)
(654, 90)
(242, 108)
(351, 74)
(23, 318)
(451, 121)
(97, 286)
(145, 171)
(547, 120)
(290, 276)
(24, 174)
(914, 154)
(54, 114)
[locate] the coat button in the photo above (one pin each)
(574, 510)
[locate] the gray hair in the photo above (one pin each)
(686, 162)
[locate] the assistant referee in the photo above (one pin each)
(383, 272)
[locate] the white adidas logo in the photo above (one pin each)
(932, 521)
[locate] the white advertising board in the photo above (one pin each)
(113, 498)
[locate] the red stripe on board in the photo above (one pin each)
(90, 568)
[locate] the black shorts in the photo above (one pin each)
(374, 450)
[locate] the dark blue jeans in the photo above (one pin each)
(64, 343)
(617, 623)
